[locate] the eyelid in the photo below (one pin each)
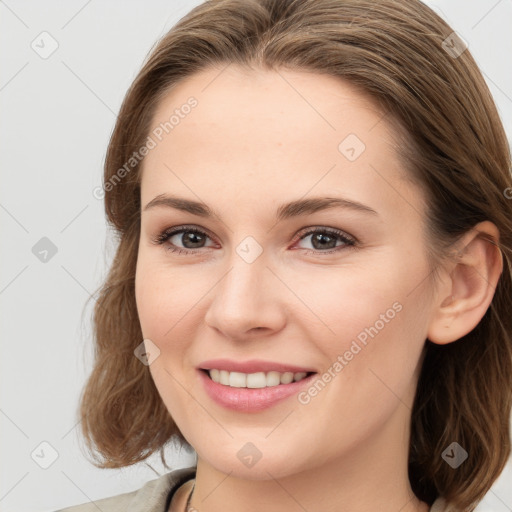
(165, 234)
(304, 232)
(349, 241)
(309, 230)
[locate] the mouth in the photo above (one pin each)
(256, 380)
(254, 385)
(256, 391)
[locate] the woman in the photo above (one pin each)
(312, 286)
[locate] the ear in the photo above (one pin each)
(467, 286)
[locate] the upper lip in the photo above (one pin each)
(252, 366)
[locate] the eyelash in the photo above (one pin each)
(349, 241)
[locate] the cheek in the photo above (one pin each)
(341, 301)
(374, 317)
(162, 306)
(165, 298)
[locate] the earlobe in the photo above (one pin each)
(469, 287)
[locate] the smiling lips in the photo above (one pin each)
(251, 386)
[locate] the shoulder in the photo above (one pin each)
(151, 497)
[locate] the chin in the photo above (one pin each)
(244, 460)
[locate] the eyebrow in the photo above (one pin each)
(284, 211)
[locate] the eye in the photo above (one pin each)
(191, 238)
(328, 238)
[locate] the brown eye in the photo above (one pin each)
(325, 240)
(190, 239)
(183, 239)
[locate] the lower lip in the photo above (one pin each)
(250, 399)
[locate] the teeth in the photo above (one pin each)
(286, 378)
(224, 377)
(272, 379)
(237, 380)
(254, 380)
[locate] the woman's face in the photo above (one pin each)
(263, 150)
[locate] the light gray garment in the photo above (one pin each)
(155, 495)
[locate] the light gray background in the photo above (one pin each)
(56, 118)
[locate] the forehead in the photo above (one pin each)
(271, 131)
(234, 98)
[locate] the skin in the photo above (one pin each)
(255, 140)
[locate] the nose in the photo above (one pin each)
(248, 300)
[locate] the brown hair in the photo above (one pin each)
(455, 149)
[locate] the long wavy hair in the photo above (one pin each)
(400, 53)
